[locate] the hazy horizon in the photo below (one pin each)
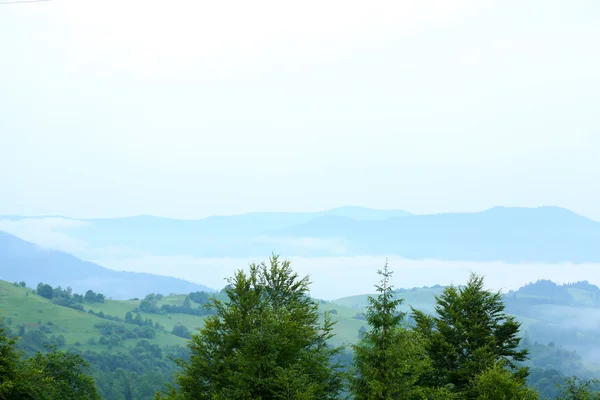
(336, 277)
(49, 216)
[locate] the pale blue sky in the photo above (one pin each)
(184, 109)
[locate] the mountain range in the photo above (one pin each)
(508, 234)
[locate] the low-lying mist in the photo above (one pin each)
(335, 277)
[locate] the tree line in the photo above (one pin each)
(268, 340)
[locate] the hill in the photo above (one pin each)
(544, 234)
(565, 314)
(128, 343)
(22, 306)
(24, 261)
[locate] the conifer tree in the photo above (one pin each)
(389, 358)
(469, 334)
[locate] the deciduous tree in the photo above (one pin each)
(265, 342)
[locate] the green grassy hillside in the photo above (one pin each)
(138, 335)
(419, 298)
(20, 307)
(547, 312)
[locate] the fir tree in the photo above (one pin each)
(389, 358)
(469, 334)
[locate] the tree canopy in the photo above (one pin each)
(389, 358)
(265, 342)
(469, 334)
(50, 376)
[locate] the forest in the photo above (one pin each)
(264, 337)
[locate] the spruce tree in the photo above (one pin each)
(389, 358)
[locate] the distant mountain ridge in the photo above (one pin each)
(507, 234)
(24, 261)
(355, 212)
(544, 234)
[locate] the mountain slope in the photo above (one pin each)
(21, 307)
(545, 234)
(24, 261)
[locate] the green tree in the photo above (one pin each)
(45, 291)
(89, 296)
(389, 358)
(265, 342)
(469, 334)
(181, 331)
(187, 303)
(13, 385)
(576, 389)
(498, 383)
(59, 375)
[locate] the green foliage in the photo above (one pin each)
(50, 376)
(13, 385)
(389, 359)
(134, 363)
(200, 297)
(469, 334)
(265, 342)
(576, 389)
(137, 373)
(63, 376)
(181, 331)
(498, 383)
(92, 297)
(45, 290)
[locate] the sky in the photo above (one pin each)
(186, 109)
